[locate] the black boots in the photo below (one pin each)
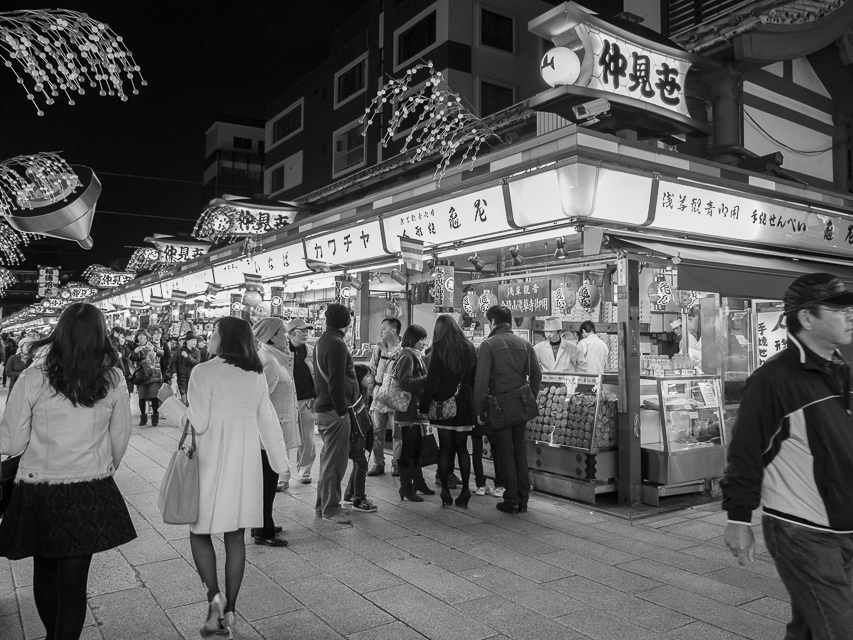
(143, 420)
(406, 488)
(155, 419)
(418, 481)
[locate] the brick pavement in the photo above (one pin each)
(414, 571)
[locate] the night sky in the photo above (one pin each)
(200, 60)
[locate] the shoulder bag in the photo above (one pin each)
(513, 407)
(8, 471)
(358, 413)
(445, 409)
(390, 394)
(179, 491)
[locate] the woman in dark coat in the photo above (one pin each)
(452, 366)
(410, 372)
(183, 362)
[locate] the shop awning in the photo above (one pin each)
(730, 272)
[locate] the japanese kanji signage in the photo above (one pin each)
(473, 215)
(532, 298)
(613, 61)
(174, 250)
(702, 211)
(443, 286)
(771, 332)
(624, 68)
(104, 277)
(349, 245)
(231, 217)
(48, 280)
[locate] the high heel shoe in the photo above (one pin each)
(446, 498)
(215, 613)
(409, 492)
(229, 622)
(464, 497)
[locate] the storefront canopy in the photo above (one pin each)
(728, 271)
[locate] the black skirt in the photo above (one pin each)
(64, 520)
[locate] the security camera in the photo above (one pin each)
(591, 109)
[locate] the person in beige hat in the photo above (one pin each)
(557, 354)
(275, 355)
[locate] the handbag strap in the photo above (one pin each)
(188, 427)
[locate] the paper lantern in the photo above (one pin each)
(660, 294)
(564, 299)
(685, 299)
(560, 66)
(589, 295)
(252, 299)
(487, 299)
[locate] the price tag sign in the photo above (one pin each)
(709, 394)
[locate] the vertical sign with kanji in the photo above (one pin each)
(443, 286)
(771, 333)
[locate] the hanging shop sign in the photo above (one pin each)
(232, 217)
(828, 233)
(105, 278)
(771, 331)
(473, 215)
(284, 261)
(443, 286)
(596, 55)
(347, 246)
(580, 191)
(532, 298)
(192, 283)
(699, 210)
(48, 279)
(172, 250)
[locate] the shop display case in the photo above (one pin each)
(682, 435)
(571, 444)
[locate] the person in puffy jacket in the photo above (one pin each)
(147, 375)
(183, 361)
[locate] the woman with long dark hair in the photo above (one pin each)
(229, 409)
(452, 366)
(410, 372)
(70, 418)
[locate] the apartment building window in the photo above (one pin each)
(494, 98)
(243, 143)
(497, 31)
(416, 38)
(348, 144)
(351, 81)
(288, 124)
(277, 179)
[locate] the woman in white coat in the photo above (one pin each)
(229, 409)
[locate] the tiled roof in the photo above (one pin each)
(750, 16)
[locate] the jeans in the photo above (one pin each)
(817, 570)
(381, 423)
(270, 480)
(335, 431)
(510, 455)
(355, 485)
(306, 453)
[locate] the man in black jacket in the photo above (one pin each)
(792, 453)
(337, 390)
(506, 362)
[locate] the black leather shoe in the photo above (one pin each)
(506, 508)
(522, 508)
(276, 541)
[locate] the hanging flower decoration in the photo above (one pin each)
(61, 50)
(443, 126)
(143, 259)
(6, 280)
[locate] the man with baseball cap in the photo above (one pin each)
(792, 453)
(303, 377)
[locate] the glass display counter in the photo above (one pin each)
(682, 436)
(571, 444)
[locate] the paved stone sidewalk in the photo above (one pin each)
(415, 571)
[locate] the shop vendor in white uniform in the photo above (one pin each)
(594, 349)
(557, 354)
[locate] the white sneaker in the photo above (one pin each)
(483, 491)
(499, 492)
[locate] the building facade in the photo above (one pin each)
(233, 157)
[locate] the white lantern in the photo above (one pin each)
(560, 66)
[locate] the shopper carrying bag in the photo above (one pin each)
(178, 499)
